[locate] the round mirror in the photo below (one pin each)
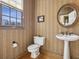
(67, 15)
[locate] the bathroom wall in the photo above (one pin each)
(22, 36)
(50, 27)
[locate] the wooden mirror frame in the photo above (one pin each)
(75, 7)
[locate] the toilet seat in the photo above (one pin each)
(33, 46)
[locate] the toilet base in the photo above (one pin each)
(35, 54)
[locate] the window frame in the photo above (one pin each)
(10, 25)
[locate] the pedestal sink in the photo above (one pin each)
(67, 38)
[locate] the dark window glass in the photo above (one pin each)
(0, 10)
(13, 21)
(19, 22)
(13, 12)
(5, 10)
(5, 20)
(19, 14)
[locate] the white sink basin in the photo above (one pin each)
(67, 38)
(72, 37)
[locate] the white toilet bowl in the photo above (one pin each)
(34, 49)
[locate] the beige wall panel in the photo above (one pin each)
(50, 27)
(22, 36)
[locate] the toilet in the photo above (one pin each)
(34, 48)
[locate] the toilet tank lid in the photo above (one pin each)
(38, 36)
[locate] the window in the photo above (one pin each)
(10, 16)
(5, 16)
(11, 13)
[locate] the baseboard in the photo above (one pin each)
(51, 54)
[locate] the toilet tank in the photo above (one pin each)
(39, 40)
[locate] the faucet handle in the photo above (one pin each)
(62, 33)
(67, 33)
(70, 33)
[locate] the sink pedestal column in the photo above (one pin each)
(66, 50)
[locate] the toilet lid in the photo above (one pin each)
(33, 46)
